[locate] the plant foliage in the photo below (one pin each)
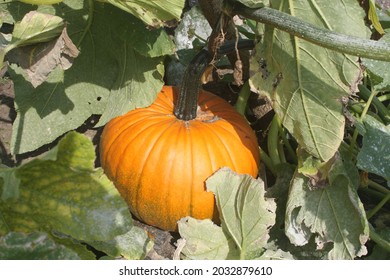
(324, 190)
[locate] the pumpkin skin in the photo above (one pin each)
(159, 163)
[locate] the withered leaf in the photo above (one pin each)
(41, 59)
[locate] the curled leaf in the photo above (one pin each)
(41, 59)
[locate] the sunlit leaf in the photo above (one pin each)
(36, 27)
(246, 217)
(373, 16)
(205, 240)
(304, 81)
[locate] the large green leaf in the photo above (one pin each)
(119, 68)
(67, 195)
(246, 216)
(152, 12)
(332, 212)
(10, 183)
(374, 156)
(33, 246)
(305, 82)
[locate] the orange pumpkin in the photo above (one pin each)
(159, 163)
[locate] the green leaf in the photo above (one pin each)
(332, 212)
(204, 240)
(304, 81)
(152, 12)
(9, 183)
(378, 71)
(374, 156)
(117, 70)
(80, 247)
(245, 214)
(36, 27)
(133, 245)
(67, 195)
(33, 246)
(373, 16)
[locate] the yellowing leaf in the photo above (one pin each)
(373, 16)
(67, 195)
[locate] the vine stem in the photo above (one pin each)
(267, 161)
(272, 141)
(365, 110)
(383, 112)
(243, 97)
(378, 239)
(378, 187)
(377, 50)
(282, 133)
(378, 207)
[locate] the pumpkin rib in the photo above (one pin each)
(194, 162)
(157, 138)
(225, 147)
(239, 142)
(165, 104)
(128, 135)
(239, 134)
(186, 141)
(124, 124)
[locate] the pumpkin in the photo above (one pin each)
(159, 162)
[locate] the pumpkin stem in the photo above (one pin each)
(187, 102)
